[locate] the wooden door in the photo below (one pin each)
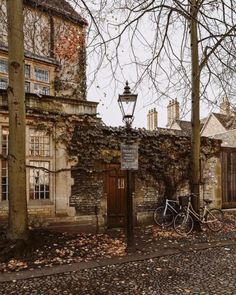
(116, 197)
(228, 164)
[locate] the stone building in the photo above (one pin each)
(221, 126)
(55, 53)
(73, 160)
(55, 86)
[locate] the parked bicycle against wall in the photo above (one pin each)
(212, 217)
(164, 215)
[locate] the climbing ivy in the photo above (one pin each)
(164, 155)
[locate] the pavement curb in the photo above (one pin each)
(48, 271)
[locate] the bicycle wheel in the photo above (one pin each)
(183, 224)
(214, 219)
(161, 219)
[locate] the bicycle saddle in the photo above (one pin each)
(207, 201)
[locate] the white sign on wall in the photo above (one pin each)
(129, 156)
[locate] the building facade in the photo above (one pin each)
(55, 87)
(55, 53)
(220, 126)
(72, 159)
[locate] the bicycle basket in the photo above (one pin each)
(183, 200)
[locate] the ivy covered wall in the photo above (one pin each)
(164, 164)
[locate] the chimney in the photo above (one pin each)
(152, 119)
(225, 106)
(172, 112)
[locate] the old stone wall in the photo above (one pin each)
(38, 215)
(87, 192)
(85, 149)
(164, 165)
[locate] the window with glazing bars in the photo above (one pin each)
(3, 66)
(27, 87)
(41, 75)
(4, 165)
(39, 143)
(5, 135)
(4, 179)
(41, 89)
(27, 71)
(39, 180)
(3, 83)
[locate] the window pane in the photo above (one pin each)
(27, 71)
(41, 75)
(3, 66)
(4, 166)
(5, 133)
(39, 180)
(3, 83)
(39, 143)
(27, 87)
(4, 180)
(40, 89)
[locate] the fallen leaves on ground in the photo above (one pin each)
(205, 235)
(54, 248)
(64, 248)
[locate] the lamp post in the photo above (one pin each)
(127, 103)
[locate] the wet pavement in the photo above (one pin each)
(162, 263)
(211, 271)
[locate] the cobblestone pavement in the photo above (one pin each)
(201, 272)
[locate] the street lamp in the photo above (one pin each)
(127, 103)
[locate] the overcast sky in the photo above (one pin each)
(105, 91)
(109, 110)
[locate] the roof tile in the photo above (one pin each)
(61, 7)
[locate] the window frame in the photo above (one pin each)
(36, 191)
(27, 85)
(2, 63)
(4, 163)
(39, 143)
(39, 74)
(39, 88)
(1, 81)
(27, 71)
(4, 184)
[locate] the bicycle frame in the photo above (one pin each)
(168, 205)
(199, 217)
(184, 221)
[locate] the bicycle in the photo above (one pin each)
(164, 215)
(212, 217)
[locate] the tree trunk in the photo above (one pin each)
(18, 218)
(195, 139)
